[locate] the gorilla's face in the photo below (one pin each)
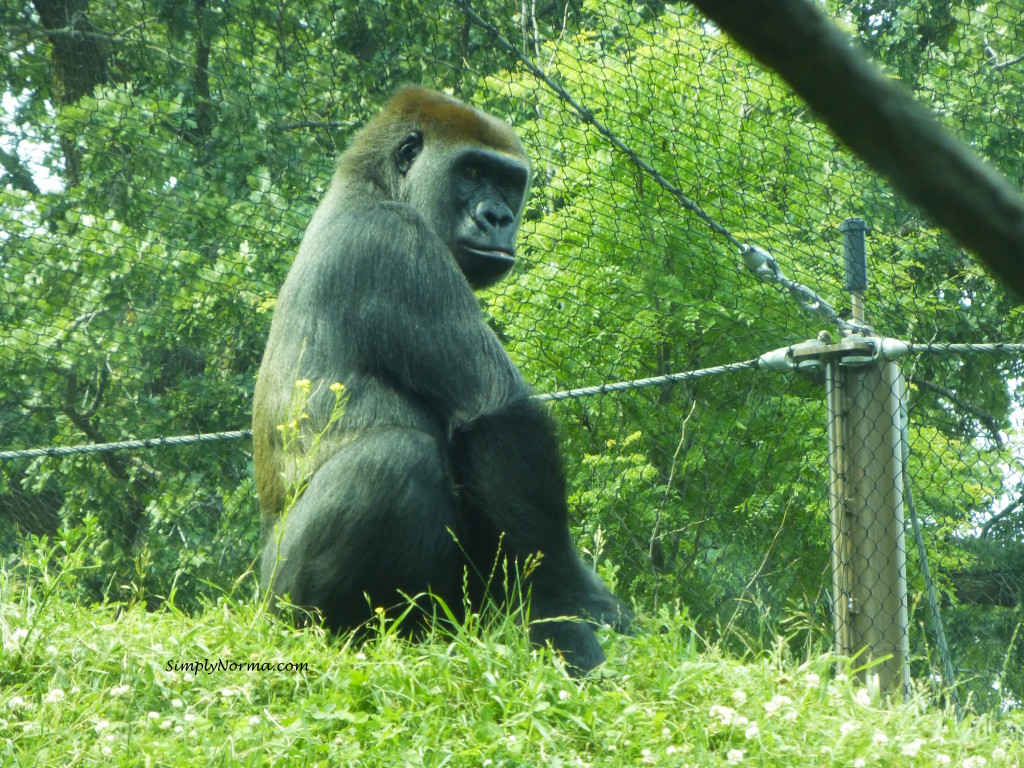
(471, 196)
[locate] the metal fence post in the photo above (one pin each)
(869, 582)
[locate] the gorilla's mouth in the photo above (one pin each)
(484, 266)
(499, 256)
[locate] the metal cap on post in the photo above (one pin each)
(856, 259)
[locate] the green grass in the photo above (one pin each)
(105, 685)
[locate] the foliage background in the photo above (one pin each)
(160, 161)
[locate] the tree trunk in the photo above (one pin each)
(79, 58)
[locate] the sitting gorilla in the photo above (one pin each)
(442, 464)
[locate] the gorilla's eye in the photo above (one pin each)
(408, 150)
(473, 172)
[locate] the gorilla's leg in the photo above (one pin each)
(374, 521)
(510, 477)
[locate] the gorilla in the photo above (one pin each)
(442, 471)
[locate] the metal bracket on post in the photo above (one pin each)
(853, 350)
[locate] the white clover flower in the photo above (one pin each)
(735, 756)
(776, 703)
(811, 680)
(880, 738)
(10, 645)
(724, 715)
(752, 731)
(911, 748)
(862, 697)
(53, 697)
(739, 696)
(975, 761)
(943, 759)
(119, 690)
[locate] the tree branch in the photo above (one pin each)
(986, 419)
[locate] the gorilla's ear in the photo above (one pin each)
(408, 150)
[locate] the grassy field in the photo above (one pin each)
(120, 686)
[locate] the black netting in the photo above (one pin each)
(160, 161)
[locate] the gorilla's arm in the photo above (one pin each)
(416, 322)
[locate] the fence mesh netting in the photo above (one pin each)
(160, 161)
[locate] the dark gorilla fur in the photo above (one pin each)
(441, 462)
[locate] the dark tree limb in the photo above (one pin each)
(203, 105)
(1003, 516)
(883, 124)
(995, 587)
(987, 420)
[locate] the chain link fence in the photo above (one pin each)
(161, 160)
